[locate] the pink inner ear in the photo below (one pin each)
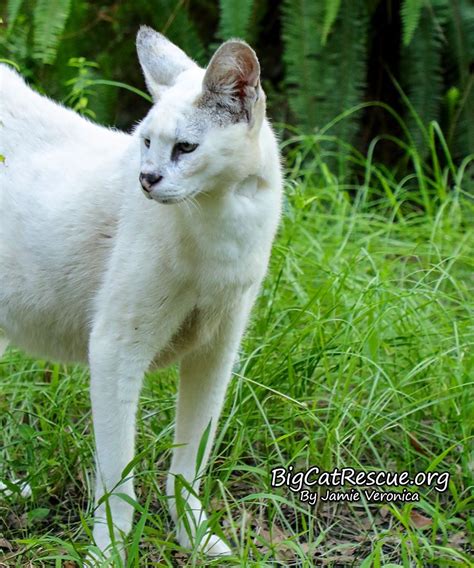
(247, 68)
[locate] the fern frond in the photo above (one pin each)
(15, 46)
(325, 80)
(410, 13)
(50, 18)
(302, 39)
(331, 10)
(346, 51)
(461, 32)
(235, 16)
(13, 8)
(422, 75)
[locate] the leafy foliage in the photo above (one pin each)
(422, 75)
(345, 55)
(302, 41)
(317, 59)
(411, 13)
(49, 21)
(235, 17)
(330, 15)
(324, 80)
(461, 36)
(12, 11)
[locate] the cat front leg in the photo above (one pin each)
(117, 371)
(204, 376)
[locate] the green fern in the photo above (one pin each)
(325, 80)
(346, 52)
(302, 41)
(410, 13)
(422, 75)
(50, 18)
(461, 34)
(330, 15)
(13, 9)
(15, 46)
(235, 17)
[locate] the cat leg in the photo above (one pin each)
(115, 389)
(204, 376)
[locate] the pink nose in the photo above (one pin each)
(148, 180)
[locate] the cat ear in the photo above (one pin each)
(233, 78)
(161, 60)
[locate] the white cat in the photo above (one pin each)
(91, 271)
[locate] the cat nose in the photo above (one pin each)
(148, 180)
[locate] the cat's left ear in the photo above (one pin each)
(161, 60)
(233, 79)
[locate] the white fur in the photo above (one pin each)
(91, 271)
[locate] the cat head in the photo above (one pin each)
(201, 135)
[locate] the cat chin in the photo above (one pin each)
(168, 199)
(171, 198)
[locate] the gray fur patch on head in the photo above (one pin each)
(199, 120)
(219, 112)
(161, 60)
(231, 84)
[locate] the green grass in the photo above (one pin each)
(359, 354)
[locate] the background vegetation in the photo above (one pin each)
(360, 350)
(319, 59)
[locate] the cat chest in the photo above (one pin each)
(196, 330)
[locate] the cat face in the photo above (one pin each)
(201, 135)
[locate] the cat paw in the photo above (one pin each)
(104, 553)
(215, 546)
(210, 544)
(24, 489)
(108, 558)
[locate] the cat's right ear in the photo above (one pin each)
(161, 60)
